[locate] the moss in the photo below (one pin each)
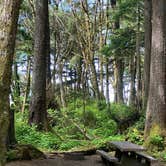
(156, 139)
(24, 152)
(155, 130)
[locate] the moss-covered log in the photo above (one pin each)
(24, 152)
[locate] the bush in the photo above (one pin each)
(121, 111)
(96, 120)
(106, 129)
(69, 144)
(156, 142)
(88, 118)
(136, 132)
(26, 134)
(135, 136)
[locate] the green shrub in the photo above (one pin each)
(69, 144)
(136, 132)
(26, 134)
(156, 142)
(104, 142)
(88, 118)
(163, 155)
(121, 111)
(95, 119)
(135, 136)
(106, 129)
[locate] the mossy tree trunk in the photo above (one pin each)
(11, 138)
(118, 73)
(16, 84)
(118, 65)
(38, 114)
(9, 11)
(148, 41)
(138, 61)
(156, 107)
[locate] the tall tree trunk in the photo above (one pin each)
(138, 58)
(118, 71)
(48, 62)
(38, 114)
(156, 106)
(16, 81)
(119, 65)
(15, 86)
(11, 139)
(27, 88)
(107, 83)
(132, 99)
(101, 60)
(62, 91)
(148, 41)
(8, 27)
(94, 81)
(101, 75)
(79, 73)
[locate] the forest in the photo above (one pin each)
(77, 74)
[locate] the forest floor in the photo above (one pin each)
(92, 160)
(52, 160)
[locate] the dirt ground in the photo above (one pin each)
(93, 160)
(61, 160)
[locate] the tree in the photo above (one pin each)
(8, 26)
(38, 114)
(156, 106)
(118, 65)
(138, 59)
(148, 40)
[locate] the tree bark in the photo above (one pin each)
(95, 81)
(107, 84)
(79, 73)
(132, 98)
(28, 82)
(8, 27)
(156, 114)
(118, 73)
(148, 41)
(119, 65)
(38, 114)
(62, 90)
(11, 139)
(16, 81)
(48, 71)
(138, 60)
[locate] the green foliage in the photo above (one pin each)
(135, 133)
(106, 128)
(163, 155)
(11, 155)
(121, 111)
(97, 122)
(23, 152)
(88, 118)
(135, 136)
(156, 142)
(28, 135)
(69, 144)
(103, 142)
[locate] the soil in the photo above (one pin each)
(61, 160)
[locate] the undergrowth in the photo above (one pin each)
(76, 127)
